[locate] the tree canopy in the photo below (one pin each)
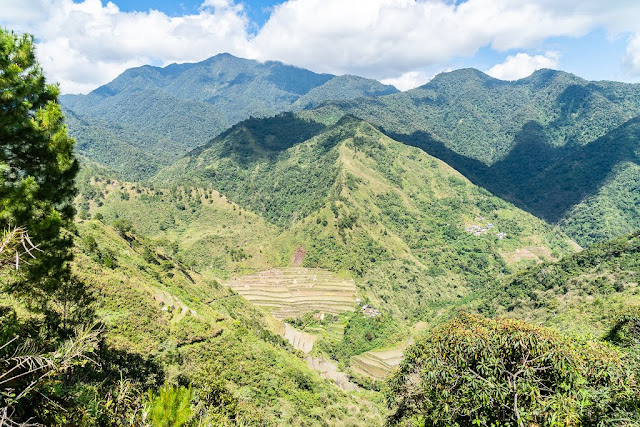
(477, 371)
(37, 166)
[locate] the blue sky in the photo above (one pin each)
(257, 10)
(85, 43)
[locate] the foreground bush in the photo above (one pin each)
(477, 371)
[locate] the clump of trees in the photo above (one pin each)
(488, 372)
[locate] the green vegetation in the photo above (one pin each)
(171, 407)
(362, 334)
(163, 303)
(520, 140)
(476, 371)
(342, 88)
(157, 320)
(202, 334)
(580, 292)
(523, 140)
(37, 170)
(626, 330)
(357, 201)
(148, 116)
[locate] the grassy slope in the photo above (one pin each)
(153, 306)
(211, 234)
(579, 293)
(355, 200)
(517, 139)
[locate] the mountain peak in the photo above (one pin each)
(545, 76)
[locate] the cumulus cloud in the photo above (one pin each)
(84, 44)
(522, 65)
(396, 36)
(632, 57)
(408, 80)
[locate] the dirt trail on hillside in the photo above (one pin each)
(302, 341)
(329, 370)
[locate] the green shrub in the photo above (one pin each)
(477, 371)
(171, 407)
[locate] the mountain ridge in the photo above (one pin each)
(189, 104)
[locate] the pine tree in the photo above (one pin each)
(37, 169)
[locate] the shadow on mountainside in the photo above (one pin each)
(543, 180)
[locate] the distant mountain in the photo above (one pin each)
(552, 143)
(558, 146)
(411, 229)
(176, 108)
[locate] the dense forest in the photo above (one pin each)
(318, 249)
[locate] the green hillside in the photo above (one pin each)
(342, 88)
(337, 253)
(515, 139)
(480, 117)
(193, 329)
(165, 112)
(414, 232)
(581, 293)
(518, 140)
(121, 149)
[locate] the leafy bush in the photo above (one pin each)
(477, 371)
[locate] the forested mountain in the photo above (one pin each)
(165, 112)
(516, 139)
(522, 140)
(243, 243)
(413, 231)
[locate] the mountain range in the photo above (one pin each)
(292, 233)
(521, 140)
(157, 114)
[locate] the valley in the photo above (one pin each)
(244, 242)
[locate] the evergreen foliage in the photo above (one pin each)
(37, 168)
(170, 407)
(149, 116)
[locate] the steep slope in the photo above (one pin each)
(597, 185)
(580, 293)
(121, 149)
(342, 88)
(177, 325)
(479, 117)
(206, 231)
(414, 232)
(516, 138)
(180, 106)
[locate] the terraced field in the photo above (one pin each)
(377, 364)
(292, 291)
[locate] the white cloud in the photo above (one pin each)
(85, 44)
(408, 80)
(390, 37)
(522, 65)
(632, 57)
